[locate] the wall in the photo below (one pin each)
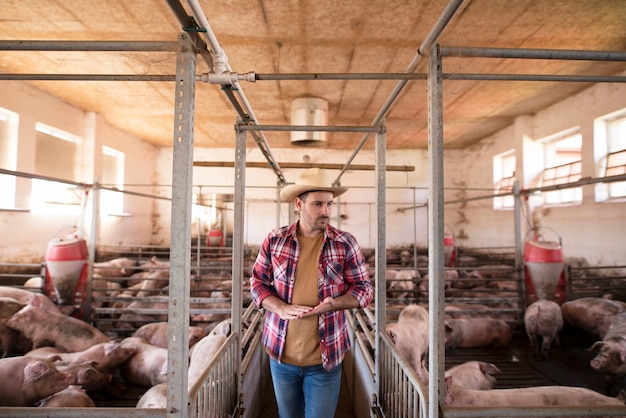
(25, 235)
(591, 232)
(356, 205)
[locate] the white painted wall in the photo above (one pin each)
(359, 216)
(25, 235)
(592, 231)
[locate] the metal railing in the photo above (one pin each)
(401, 392)
(216, 392)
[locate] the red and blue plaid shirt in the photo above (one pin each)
(341, 270)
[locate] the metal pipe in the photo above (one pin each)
(525, 53)
(88, 77)
(312, 128)
(446, 76)
(136, 46)
(220, 65)
(431, 38)
(328, 166)
(537, 77)
(582, 182)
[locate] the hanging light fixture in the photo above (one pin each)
(309, 111)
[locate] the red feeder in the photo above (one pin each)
(544, 270)
(215, 238)
(449, 250)
(66, 264)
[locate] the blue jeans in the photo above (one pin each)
(309, 391)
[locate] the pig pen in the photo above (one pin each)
(400, 392)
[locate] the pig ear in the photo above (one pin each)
(34, 301)
(595, 347)
(447, 326)
(36, 371)
(489, 368)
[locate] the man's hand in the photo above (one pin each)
(283, 309)
(325, 306)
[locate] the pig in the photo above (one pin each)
(131, 319)
(543, 322)
(206, 318)
(34, 283)
(84, 375)
(26, 296)
(610, 353)
(201, 354)
(9, 338)
(525, 397)
(403, 284)
(591, 315)
(477, 332)
(155, 397)
(148, 366)
(26, 380)
(156, 334)
(106, 357)
(477, 375)
(70, 397)
(406, 258)
(118, 267)
(50, 328)
(410, 336)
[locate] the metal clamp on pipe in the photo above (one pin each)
(227, 78)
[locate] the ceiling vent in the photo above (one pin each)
(310, 111)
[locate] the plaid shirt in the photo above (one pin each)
(341, 270)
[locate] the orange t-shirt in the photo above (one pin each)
(302, 344)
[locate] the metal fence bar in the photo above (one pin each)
(401, 392)
(216, 392)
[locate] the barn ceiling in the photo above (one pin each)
(280, 37)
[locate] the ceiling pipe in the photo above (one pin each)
(422, 51)
(222, 66)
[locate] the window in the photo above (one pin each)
(616, 157)
(8, 156)
(503, 178)
(56, 156)
(112, 203)
(563, 166)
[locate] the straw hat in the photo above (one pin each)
(311, 179)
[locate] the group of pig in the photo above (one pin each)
(471, 383)
(51, 359)
(136, 293)
(412, 283)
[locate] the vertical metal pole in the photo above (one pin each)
(93, 241)
(381, 250)
(519, 262)
(238, 228)
(436, 258)
(180, 241)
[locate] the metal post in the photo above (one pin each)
(238, 228)
(519, 262)
(436, 258)
(381, 250)
(93, 241)
(180, 242)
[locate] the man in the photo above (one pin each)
(305, 276)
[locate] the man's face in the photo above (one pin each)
(315, 210)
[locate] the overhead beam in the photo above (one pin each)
(328, 166)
